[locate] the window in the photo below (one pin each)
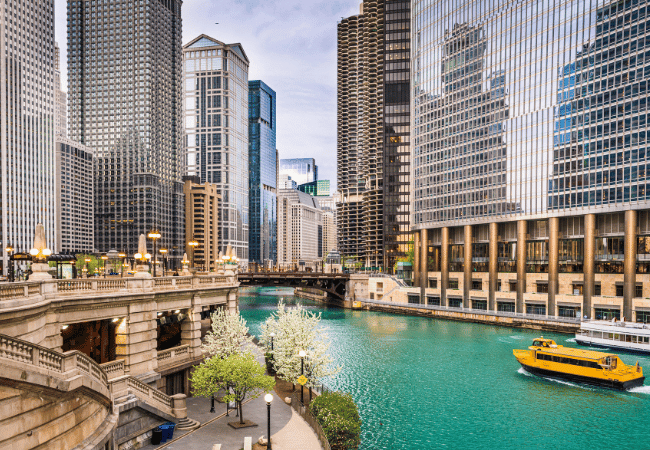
(433, 283)
(538, 310)
(638, 291)
(433, 300)
(455, 303)
(513, 285)
(597, 289)
(479, 304)
(506, 306)
(477, 285)
(498, 285)
(453, 283)
(619, 290)
(414, 298)
(576, 288)
(542, 287)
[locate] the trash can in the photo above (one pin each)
(167, 431)
(156, 436)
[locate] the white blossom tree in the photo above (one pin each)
(297, 329)
(229, 334)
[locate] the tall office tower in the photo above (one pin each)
(125, 90)
(531, 188)
(202, 222)
(318, 188)
(373, 132)
(27, 123)
(61, 99)
(262, 165)
(301, 170)
(300, 229)
(75, 199)
(216, 124)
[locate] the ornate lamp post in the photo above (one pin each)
(193, 244)
(122, 256)
(302, 355)
(155, 234)
(142, 271)
(10, 271)
(40, 253)
(104, 258)
(164, 259)
(268, 398)
(272, 336)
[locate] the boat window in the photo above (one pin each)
(537, 344)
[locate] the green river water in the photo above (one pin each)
(433, 384)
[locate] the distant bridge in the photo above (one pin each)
(335, 284)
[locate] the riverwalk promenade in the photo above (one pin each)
(289, 431)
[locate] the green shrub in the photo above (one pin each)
(338, 415)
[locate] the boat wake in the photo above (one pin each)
(559, 381)
(571, 340)
(523, 372)
(640, 390)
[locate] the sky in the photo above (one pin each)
(291, 45)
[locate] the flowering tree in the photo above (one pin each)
(229, 334)
(297, 329)
(239, 374)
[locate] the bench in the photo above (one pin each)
(248, 443)
(216, 447)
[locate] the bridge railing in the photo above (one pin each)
(25, 289)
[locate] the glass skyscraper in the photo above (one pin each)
(216, 124)
(529, 146)
(125, 102)
(27, 107)
(262, 169)
(301, 170)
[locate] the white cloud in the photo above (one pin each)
(291, 45)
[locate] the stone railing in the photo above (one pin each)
(123, 385)
(40, 357)
(83, 286)
(173, 355)
(113, 369)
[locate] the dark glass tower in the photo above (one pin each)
(125, 87)
(262, 168)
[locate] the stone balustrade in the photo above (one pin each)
(40, 357)
(173, 355)
(83, 286)
(113, 369)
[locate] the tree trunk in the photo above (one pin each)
(241, 413)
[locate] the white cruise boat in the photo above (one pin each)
(630, 336)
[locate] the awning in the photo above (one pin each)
(607, 307)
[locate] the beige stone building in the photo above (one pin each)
(300, 229)
(201, 222)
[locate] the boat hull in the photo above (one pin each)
(586, 380)
(611, 344)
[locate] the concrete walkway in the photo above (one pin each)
(288, 430)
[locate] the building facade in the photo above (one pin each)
(216, 125)
(125, 101)
(27, 179)
(75, 199)
(60, 99)
(529, 149)
(262, 170)
(301, 170)
(300, 229)
(202, 222)
(318, 188)
(373, 143)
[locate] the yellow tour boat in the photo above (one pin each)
(546, 358)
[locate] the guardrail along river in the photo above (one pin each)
(424, 384)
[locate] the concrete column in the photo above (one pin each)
(553, 263)
(424, 264)
(416, 259)
(135, 339)
(492, 264)
(191, 328)
(444, 265)
(589, 264)
(522, 230)
(467, 265)
(629, 264)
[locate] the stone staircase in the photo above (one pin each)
(51, 400)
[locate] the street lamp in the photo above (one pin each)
(155, 234)
(268, 398)
(164, 253)
(85, 269)
(104, 258)
(193, 243)
(272, 336)
(10, 272)
(302, 355)
(122, 256)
